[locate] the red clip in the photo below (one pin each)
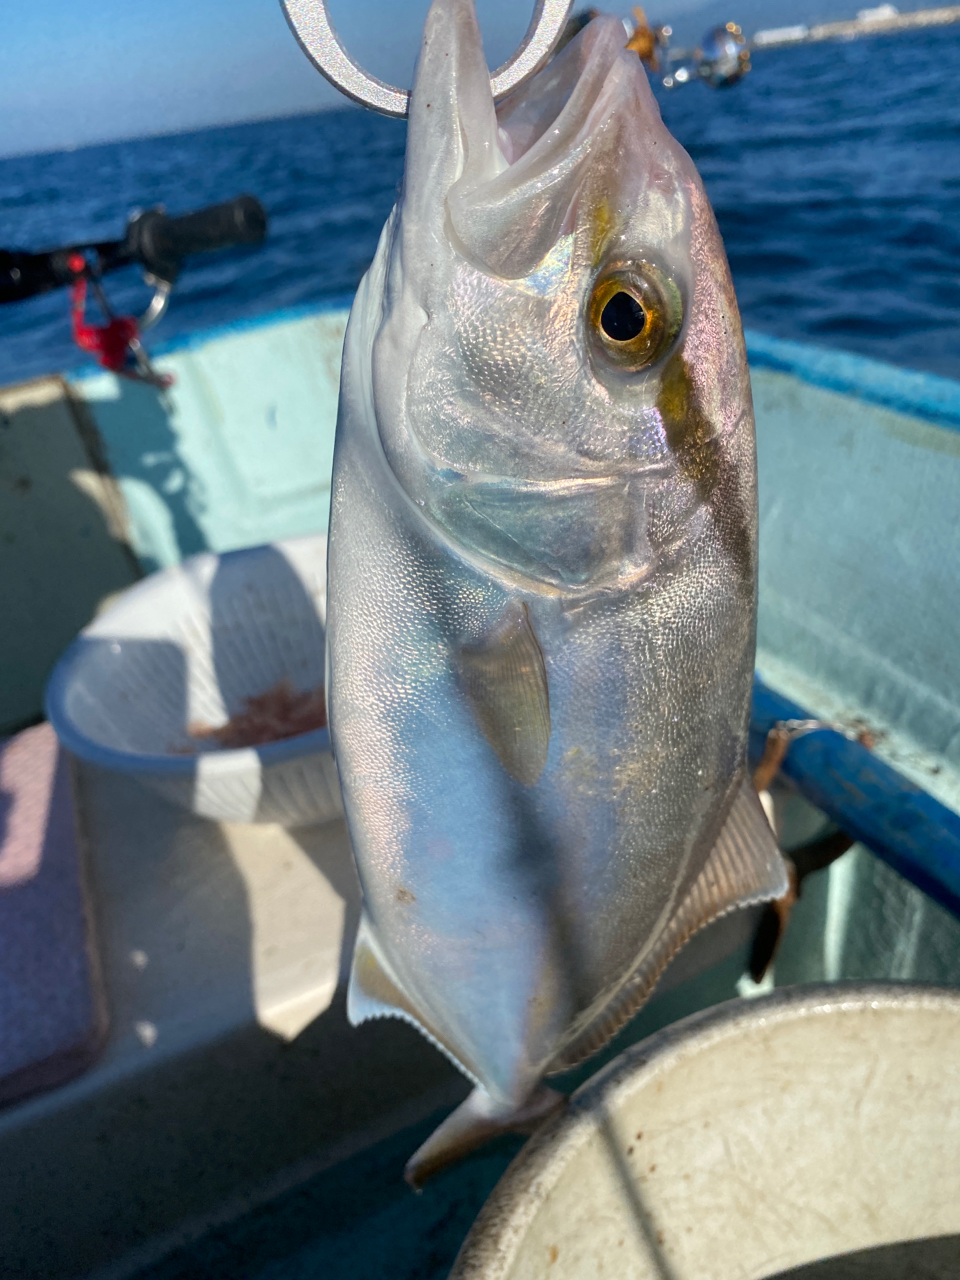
(110, 343)
(113, 344)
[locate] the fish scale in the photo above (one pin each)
(541, 641)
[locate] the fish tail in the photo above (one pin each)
(474, 1123)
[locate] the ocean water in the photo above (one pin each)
(834, 171)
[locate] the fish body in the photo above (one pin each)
(542, 577)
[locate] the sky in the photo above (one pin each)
(74, 72)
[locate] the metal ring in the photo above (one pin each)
(158, 303)
(310, 23)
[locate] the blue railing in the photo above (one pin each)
(897, 820)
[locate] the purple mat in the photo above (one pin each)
(52, 1011)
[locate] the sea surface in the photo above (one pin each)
(834, 171)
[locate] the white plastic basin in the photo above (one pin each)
(741, 1142)
(189, 646)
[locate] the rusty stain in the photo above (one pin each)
(653, 1168)
(553, 1253)
(774, 751)
(639, 1134)
(629, 1151)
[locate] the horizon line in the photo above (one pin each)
(68, 148)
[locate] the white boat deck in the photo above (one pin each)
(229, 1060)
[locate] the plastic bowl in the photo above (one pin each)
(188, 646)
(750, 1139)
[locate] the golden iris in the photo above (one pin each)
(634, 314)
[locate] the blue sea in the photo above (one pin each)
(834, 171)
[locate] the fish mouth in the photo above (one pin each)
(563, 94)
(523, 163)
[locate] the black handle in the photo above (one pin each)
(154, 240)
(160, 243)
(24, 275)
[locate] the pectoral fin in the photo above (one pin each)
(504, 678)
(744, 868)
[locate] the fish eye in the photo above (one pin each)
(634, 314)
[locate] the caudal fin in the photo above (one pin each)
(474, 1123)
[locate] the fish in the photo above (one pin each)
(542, 575)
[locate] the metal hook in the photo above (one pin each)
(310, 23)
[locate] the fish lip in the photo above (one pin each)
(582, 68)
(522, 165)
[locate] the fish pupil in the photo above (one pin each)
(623, 318)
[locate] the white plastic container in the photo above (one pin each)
(186, 647)
(749, 1139)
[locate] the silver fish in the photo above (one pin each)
(542, 573)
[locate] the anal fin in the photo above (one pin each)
(375, 992)
(744, 868)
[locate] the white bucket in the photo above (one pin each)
(746, 1140)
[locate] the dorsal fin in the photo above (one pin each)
(505, 680)
(745, 867)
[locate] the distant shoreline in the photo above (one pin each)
(878, 23)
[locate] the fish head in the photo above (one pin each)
(559, 378)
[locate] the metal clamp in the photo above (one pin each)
(158, 303)
(310, 23)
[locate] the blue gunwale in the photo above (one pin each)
(897, 820)
(306, 311)
(927, 396)
(921, 395)
(200, 337)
